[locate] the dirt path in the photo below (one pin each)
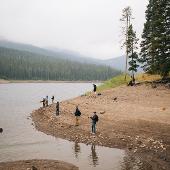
(132, 118)
(37, 164)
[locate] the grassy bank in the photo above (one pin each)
(120, 80)
(114, 82)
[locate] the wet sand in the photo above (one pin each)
(133, 118)
(37, 164)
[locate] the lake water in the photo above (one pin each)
(20, 140)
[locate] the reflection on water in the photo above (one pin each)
(93, 155)
(76, 149)
(20, 140)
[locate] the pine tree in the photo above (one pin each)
(163, 32)
(126, 19)
(155, 51)
(132, 42)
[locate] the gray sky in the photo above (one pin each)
(90, 27)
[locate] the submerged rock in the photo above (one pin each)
(1, 130)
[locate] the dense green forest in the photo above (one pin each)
(24, 65)
(155, 47)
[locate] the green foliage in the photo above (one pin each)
(114, 82)
(23, 65)
(155, 51)
(131, 47)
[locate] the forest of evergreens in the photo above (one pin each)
(154, 54)
(24, 65)
(155, 47)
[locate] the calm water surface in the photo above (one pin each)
(21, 141)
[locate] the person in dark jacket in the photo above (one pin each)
(77, 114)
(94, 119)
(57, 108)
(94, 88)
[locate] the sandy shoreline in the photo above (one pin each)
(139, 121)
(39, 164)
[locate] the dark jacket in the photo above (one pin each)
(95, 119)
(77, 112)
(94, 87)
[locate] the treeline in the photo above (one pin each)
(154, 54)
(155, 51)
(23, 65)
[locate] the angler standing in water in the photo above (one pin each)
(57, 108)
(77, 114)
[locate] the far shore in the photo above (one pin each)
(2, 81)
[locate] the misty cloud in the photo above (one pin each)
(90, 27)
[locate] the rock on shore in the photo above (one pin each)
(37, 165)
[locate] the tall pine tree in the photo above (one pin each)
(132, 42)
(126, 21)
(155, 51)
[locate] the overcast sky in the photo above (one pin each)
(90, 27)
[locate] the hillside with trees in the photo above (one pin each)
(24, 65)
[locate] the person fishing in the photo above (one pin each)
(94, 88)
(44, 102)
(52, 98)
(94, 119)
(77, 114)
(57, 108)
